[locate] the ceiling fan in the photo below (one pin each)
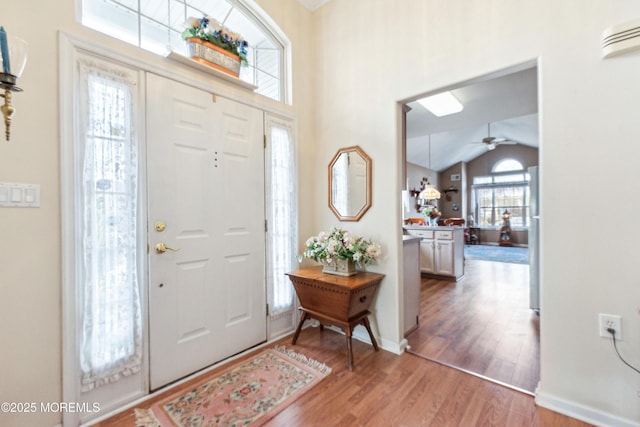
(492, 142)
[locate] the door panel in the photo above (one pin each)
(427, 256)
(205, 172)
(445, 257)
(243, 223)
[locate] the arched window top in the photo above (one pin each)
(157, 25)
(507, 165)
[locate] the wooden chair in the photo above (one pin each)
(453, 221)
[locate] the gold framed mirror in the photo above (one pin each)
(350, 183)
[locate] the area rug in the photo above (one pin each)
(512, 254)
(249, 393)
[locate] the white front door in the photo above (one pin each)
(206, 205)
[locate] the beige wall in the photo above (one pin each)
(456, 198)
(373, 54)
(30, 283)
(353, 62)
(415, 175)
(30, 243)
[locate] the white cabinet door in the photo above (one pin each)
(444, 257)
(427, 256)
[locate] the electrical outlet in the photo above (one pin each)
(610, 321)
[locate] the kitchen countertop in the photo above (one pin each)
(427, 227)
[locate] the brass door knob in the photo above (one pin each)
(162, 248)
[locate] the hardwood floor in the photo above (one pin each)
(385, 389)
(482, 323)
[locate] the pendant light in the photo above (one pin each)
(429, 192)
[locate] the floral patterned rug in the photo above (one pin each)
(250, 393)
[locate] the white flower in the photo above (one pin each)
(340, 244)
(374, 250)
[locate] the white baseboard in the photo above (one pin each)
(360, 333)
(581, 412)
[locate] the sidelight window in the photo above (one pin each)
(282, 215)
(107, 180)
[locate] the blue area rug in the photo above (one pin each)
(511, 254)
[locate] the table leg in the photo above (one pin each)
(365, 322)
(303, 316)
(349, 349)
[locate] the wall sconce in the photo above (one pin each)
(13, 57)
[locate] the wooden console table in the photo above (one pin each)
(336, 300)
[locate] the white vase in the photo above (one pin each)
(340, 267)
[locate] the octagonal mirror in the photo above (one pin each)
(350, 183)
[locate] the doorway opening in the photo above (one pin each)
(483, 322)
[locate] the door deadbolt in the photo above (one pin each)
(160, 226)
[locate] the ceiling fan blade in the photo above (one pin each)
(506, 142)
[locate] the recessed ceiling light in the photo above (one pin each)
(441, 104)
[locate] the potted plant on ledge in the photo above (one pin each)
(210, 43)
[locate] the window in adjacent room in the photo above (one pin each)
(157, 25)
(507, 188)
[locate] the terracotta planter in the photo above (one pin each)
(213, 56)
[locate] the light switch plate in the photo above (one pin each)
(14, 195)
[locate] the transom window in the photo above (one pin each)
(157, 25)
(507, 165)
(507, 188)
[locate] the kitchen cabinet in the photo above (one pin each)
(441, 250)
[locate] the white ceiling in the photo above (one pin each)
(508, 103)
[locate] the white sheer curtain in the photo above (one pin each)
(108, 288)
(282, 216)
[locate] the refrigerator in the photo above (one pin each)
(534, 240)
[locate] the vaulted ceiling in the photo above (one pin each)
(502, 106)
(507, 104)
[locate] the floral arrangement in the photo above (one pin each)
(213, 32)
(341, 244)
(431, 212)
